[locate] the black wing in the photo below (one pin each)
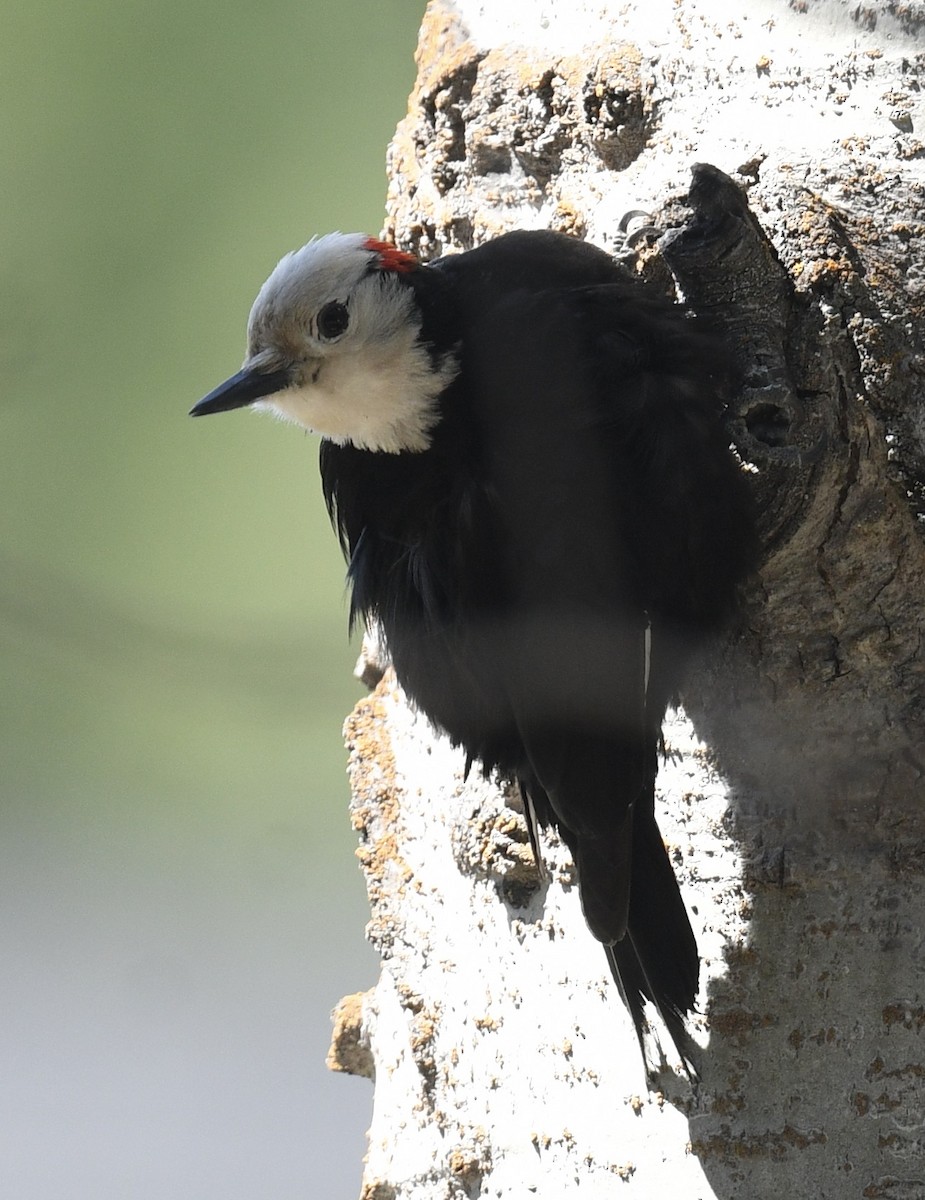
(626, 530)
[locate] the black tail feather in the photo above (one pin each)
(634, 986)
(657, 960)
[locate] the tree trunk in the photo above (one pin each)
(792, 790)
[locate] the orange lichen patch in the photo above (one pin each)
(349, 1051)
(618, 66)
(373, 859)
(522, 72)
(568, 219)
(423, 1032)
(824, 271)
(886, 1189)
(741, 957)
(499, 845)
(739, 1022)
(372, 764)
(901, 1014)
(376, 1190)
(464, 1167)
(442, 49)
(877, 1069)
(471, 1163)
(375, 810)
(774, 1144)
(728, 1103)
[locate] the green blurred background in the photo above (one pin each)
(181, 905)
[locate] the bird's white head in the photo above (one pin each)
(334, 345)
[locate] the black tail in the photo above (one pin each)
(657, 959)
(644, 926)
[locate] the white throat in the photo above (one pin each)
(381, 396)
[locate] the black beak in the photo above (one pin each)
(244, 388)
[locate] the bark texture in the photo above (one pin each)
(792, 794)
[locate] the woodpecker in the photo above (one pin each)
(523, 456)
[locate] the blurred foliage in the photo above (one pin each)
(160, 158)
(174, 667)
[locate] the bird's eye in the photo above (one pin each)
(333, 320)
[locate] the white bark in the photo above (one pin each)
(504, 1060)
(504, 1063)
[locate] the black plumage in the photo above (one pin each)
(525, 461)
(543, 570)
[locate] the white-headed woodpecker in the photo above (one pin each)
(523, 455)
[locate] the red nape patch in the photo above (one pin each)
(390, 257)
